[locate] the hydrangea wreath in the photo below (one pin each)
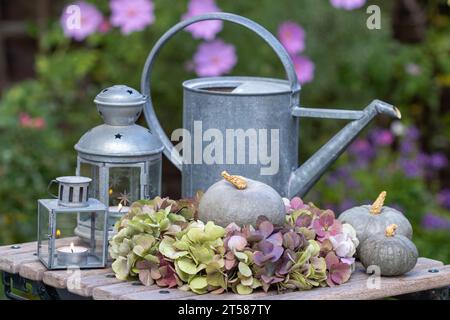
(162, 242)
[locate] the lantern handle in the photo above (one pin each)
(48, 188)
(269, 38)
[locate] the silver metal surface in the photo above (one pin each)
(73, 191)
(224, 103)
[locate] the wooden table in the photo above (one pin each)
(23, 273)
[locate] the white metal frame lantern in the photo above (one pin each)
(122, 158)
(58, 245)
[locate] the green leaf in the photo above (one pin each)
(121, 268)
(241, 289)
(187, 265)
(244, 269)
(166, 248)
(213, 232)
(198, 283)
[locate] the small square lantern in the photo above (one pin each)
(122, 158)
(58, 245)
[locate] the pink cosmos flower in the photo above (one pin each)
(326, 225)
(214, 58)
(80, 19)
(131, 15)
(304, 68)
(27, 121)
(292, 36)
(206, 29)
(347, 4)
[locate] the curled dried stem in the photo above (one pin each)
(390, 230)
(378, 204)
(238, 181)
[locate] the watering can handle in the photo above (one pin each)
(149, 111)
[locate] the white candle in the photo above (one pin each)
(120, 209)
(72, 255)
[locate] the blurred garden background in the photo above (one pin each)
(50, 74)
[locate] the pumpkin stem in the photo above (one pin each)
(390, 230)
(378, 204)
(238, 181)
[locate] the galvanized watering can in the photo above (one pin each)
(241, 124)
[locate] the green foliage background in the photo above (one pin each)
(353, 66)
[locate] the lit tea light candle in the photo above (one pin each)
(120, 209)
(72, 255)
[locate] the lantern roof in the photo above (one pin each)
(120, 139)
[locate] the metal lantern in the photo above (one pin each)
(59, 247)
(122, 158)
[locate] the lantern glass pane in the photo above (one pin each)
(92, 171)
(154, 179)
(43, 232)
(83, 248)
(124, 181)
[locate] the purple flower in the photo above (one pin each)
(205, 29)
(131, 15)
(410, 167)
(347, 4)
(326, 225)
(214, 58)
(304, 68)
(443, 198)
(433, 222)
(80, 20)
(382, 137)
(412, 133)
(362, 149)
(407, 147)
(292, 36)
(438, 161)
(346, 204)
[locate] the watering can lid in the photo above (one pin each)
(238, 85)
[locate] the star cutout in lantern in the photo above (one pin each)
(118, 136)
(124, 198)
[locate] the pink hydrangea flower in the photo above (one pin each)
(80, 19)
(338, 271)
(345, 243)
(292, 36)
(326, 225)
(131, 15)
(27, 121)
(214, 58)
(304, 68)
(205, 29)
(294, 204)
(347, 4)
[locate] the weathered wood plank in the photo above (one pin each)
(88, 283)
(114, 291)
(58, 279)
(158, 294)
(18, 248)
(32, 270)
(11, 263)
(358, 276)
(417, 280)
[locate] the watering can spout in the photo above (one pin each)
(303, 178)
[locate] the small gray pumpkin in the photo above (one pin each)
(393, 253)
(369, 220)
(240, 200)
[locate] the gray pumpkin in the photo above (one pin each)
(225, 202)
(373, 219)
(393, 253)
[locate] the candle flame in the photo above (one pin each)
(110, 191)
(72, 247)
(120, 206)
(58, 233)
